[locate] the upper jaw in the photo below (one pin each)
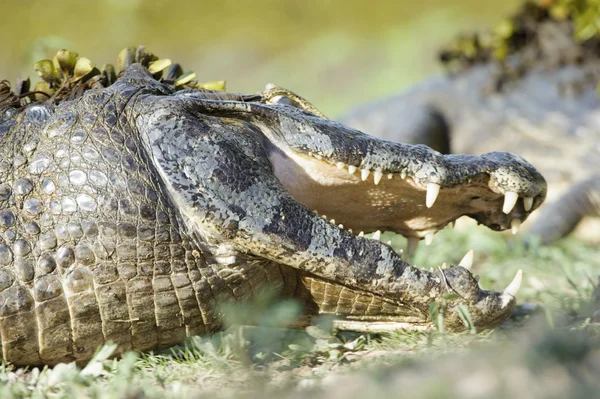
(498, 190)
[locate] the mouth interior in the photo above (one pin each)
(381, 201)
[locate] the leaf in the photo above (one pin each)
(46, 70)
(465, 316)
(159, 65)
(185, 78)
(66, 61)
(83, 67)
(217, 85)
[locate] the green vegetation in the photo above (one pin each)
(522, 34)
(67, 75)
(549, 350)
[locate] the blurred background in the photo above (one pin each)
(335, 53)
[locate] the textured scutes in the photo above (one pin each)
(46, 264)
(46, 287)
(78, 279)
(6, 279)
(15, 299)
(7, 218)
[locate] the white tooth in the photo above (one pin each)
(528, 203)
(433, 190)
(403, 174)
(351, 169)
(315, 212)
(429, 238)
(514, 225)
(411, 248)
(400, 252)
(467, 260)
(510, 199)
(364, 173)
(377, 175)
(341, 226)
(324, 217)
(340, 165)
(444, 265)
(389, 242)
(377, 235)
(514, 285)
(362, 233)
(390, 175)
(350, 230)
(332, 221)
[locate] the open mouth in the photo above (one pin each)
(377, 199)
(414, 197)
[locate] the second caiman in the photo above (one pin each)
(540, 102)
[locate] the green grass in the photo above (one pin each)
(553, 352)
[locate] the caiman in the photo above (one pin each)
(540, 102)
(129, 210)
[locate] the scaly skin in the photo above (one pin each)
(128, 212)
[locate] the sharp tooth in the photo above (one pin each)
(429, 238)
(350, 230)
(341, 226)
(433, 190)
(514, 225)
(403, 174)
(340, 165)
(332, 221)
(351, 169)
(467, 260)
(510, 199)
(528, 203)
(514, 285)
(444, 265)
(390, 175)
(411, 248)
(377, 235)
(377, 175)
(362, 233)
(364, 173)
(324, 217)
(389, 242)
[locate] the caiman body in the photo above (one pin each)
(128, 212)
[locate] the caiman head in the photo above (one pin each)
(366, 185)
(259, 175)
